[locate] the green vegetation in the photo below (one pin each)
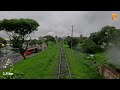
(85, 57)
(83, 67)
(49, 38)
(97, 41)
(33, 42)
(74, 40)
(41, 66)
(89, 46)
(104, 43)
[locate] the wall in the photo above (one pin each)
(108, 72)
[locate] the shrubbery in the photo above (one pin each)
(75, 41)
(88, 46)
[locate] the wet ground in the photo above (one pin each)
(14, 58)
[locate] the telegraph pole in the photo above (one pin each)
(72, 35)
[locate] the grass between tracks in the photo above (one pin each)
(41, 66)
(82, 67)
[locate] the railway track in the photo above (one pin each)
(63, 69)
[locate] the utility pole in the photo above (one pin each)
(72, 36)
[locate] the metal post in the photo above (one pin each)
(71, 36)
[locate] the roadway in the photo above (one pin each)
(15, 58)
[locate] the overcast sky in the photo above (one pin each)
(57, 23)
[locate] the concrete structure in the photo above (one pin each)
(108, 72)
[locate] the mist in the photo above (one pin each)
(114, 56)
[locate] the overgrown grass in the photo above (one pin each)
(41, 66)
(85, 68)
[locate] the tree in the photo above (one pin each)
(18, 31)
(75, 41)
(33, 42)
(67, 39)
(39, 42)
(49, 38)
(81, 39)
(59, 39)
(107, 35)
(89, 46)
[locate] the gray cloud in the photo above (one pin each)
(59, 22)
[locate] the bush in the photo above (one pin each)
(89, 46)
(75, 41)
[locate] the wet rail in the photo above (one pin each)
(64, 69)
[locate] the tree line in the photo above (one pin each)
(97, 41)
